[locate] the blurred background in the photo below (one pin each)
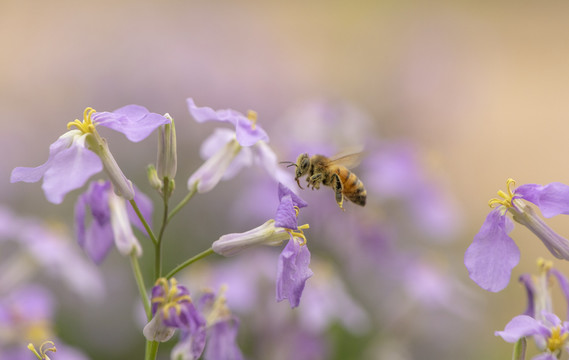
(448, 98)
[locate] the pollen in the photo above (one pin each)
(557, 339)
(252, 116)
(505, 198)
(86, 126)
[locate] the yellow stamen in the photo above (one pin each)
(219, 309)
(86, 126)
(544, 265)
(299, 234)
(505, 199)
(44, 347)
(556, 340)
(252, 116)
(296, 210)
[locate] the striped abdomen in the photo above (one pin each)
(353, 189)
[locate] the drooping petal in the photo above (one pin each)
(286, 215)
(545, 356)
(493, 254)
(203, 114)
(552, 199)
(249, 134)
(222, 342)
(134, 121)
(156, 330)
(521, 326)
(292, 272)
(29, 175)
(69, 170)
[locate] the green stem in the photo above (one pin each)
(184, 201)
(190, 261)
(143, 220)
(151, 350)
(141, 287)
(520, 350)
(158, 244)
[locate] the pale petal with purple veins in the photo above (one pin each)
(292, 272)
(134, 121)
(493, 254)
(522, 326)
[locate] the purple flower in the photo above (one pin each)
(293, 270)
(81, 152)
(273, 232)
(493, 254)
(172, 308)
(111, 222)
(228, 151)
(550, 334)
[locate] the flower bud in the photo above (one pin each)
(167, 159)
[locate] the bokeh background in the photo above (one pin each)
(477, 92)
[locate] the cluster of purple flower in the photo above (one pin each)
(103, 217)
(493, 254)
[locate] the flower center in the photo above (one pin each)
(299, 234)
(505, 198)
(86, 126)
(556, 339)
(172, 298)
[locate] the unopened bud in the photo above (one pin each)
(167, 162)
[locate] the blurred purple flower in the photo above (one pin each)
(172, 308)
(80, 153)
(26, 316)
(111, 222)
(493, 254)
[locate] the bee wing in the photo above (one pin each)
(350, 158)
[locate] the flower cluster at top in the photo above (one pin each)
(493, 254)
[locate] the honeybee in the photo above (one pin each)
(332, 172)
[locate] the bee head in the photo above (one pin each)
(302, 165)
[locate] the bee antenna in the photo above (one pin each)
(290, 163)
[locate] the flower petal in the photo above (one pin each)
(563, 284)
(134, 121)
(292, 272)
(69, 170)
(29, 175)
(493, 254)
(296, 200)
(222, 342)
(519, 327)
(286, 215)
(552, 199)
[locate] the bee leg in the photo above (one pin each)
(315, 181)
(338, 188)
